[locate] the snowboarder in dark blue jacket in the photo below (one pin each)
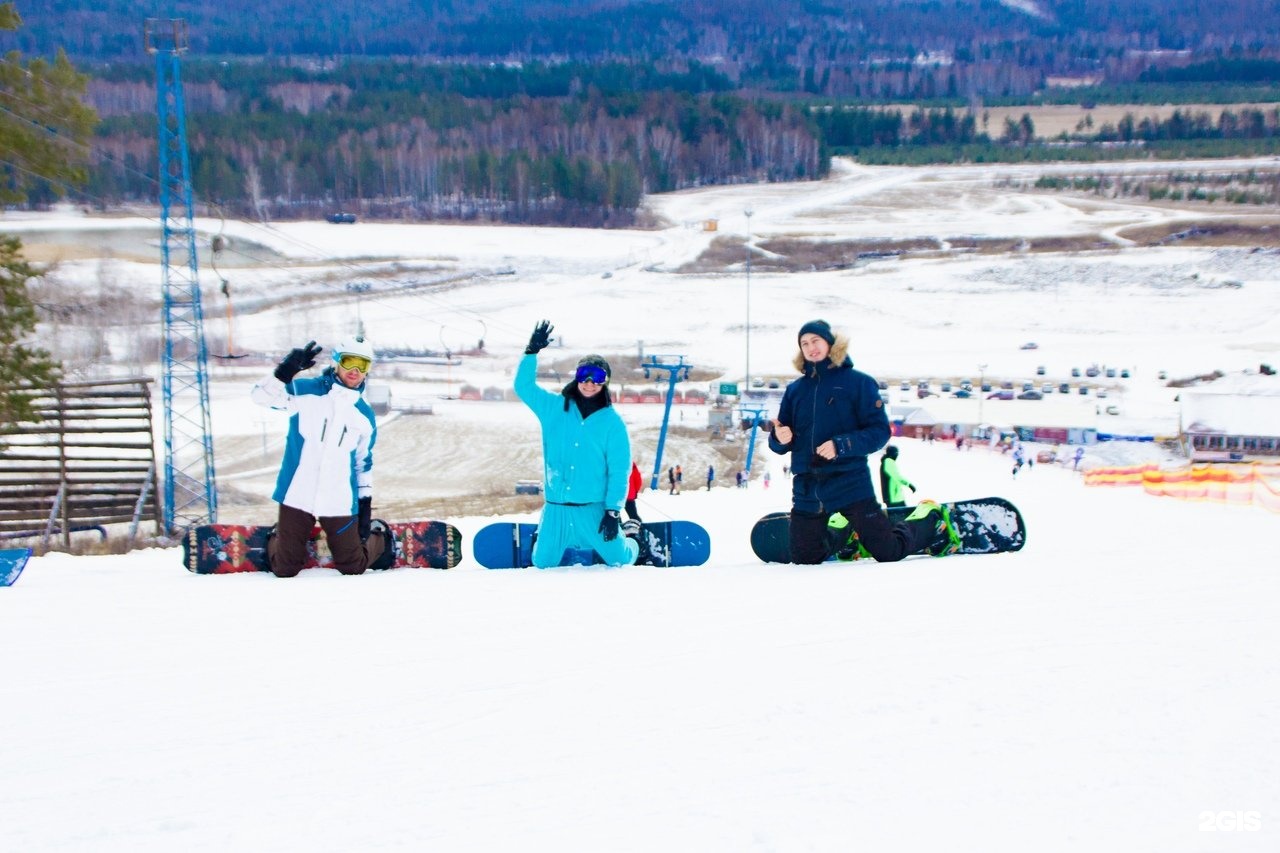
(830, 420)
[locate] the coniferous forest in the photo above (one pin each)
(568, 112)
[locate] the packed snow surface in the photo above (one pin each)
(1111, 687)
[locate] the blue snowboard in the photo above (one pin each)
(12, 561)
(506, 545)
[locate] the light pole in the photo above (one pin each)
(748, 212)
(982, 382)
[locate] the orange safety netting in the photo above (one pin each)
(1254, 484)
(1129, 475)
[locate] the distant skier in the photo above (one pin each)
(635, 483)
(892, 483)
(1075, 462)
(711, 476)
(586, 458)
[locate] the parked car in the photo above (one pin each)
(1031, 395)
(1075, 373)
(1164, 374)
(1124, 374)
(1084, 389)
(1002, 394)
(946, 388)
(1040, 370)
(1030, 345)
(1102, 392)
(1046, 388)
(1027, 386)
(905, 386)
(884, 386)
(1064, 388)
(1113, 410)
(963, 393)
(986, 386)
(1111, 373)
(1091, 372)
(967, 384)
(341, 218)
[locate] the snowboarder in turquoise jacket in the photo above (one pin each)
(586, 457)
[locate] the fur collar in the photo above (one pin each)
(838, 357)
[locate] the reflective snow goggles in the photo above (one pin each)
(347, 361)
(591, 373)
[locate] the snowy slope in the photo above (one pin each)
(1105, 689)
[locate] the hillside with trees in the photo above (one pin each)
(568, 112)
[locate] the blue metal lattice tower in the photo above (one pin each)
(190, 487)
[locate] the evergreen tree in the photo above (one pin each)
(44, 131)
(44, 125)
(22, 367)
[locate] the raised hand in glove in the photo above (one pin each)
(364, 519)
(540, 338)
(609, 525)
(297, 361)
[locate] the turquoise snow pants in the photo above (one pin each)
(563, 527)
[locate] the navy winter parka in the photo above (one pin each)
(831, 402)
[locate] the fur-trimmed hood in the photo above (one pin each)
(838, 357)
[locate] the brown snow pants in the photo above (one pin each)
(287, 549)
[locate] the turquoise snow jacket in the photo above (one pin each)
(585, 460)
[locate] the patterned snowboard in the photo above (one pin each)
(506, 545)
(986, 526)
(12, 561)
(222, 548)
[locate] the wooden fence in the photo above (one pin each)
(88, 461)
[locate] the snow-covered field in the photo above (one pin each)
(1112, 687)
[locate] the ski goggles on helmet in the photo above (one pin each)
(591, 373)
(349, 361)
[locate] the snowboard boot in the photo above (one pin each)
(842, 540)
(262, 559)
(931, 524)
(387, 558)
(632, 530)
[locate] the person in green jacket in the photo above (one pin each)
(893, 485)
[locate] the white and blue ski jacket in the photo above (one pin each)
(328, 455)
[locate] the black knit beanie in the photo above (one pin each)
(821, 328)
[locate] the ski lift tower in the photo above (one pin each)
(676, 370)
(190, 488)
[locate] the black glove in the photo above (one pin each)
(364, 519)
(540, 338)
(297, 361)
(609, 525)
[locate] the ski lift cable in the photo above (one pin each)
(102, 155)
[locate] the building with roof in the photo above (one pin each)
(1235, 419)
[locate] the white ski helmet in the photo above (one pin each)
(353, 345)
